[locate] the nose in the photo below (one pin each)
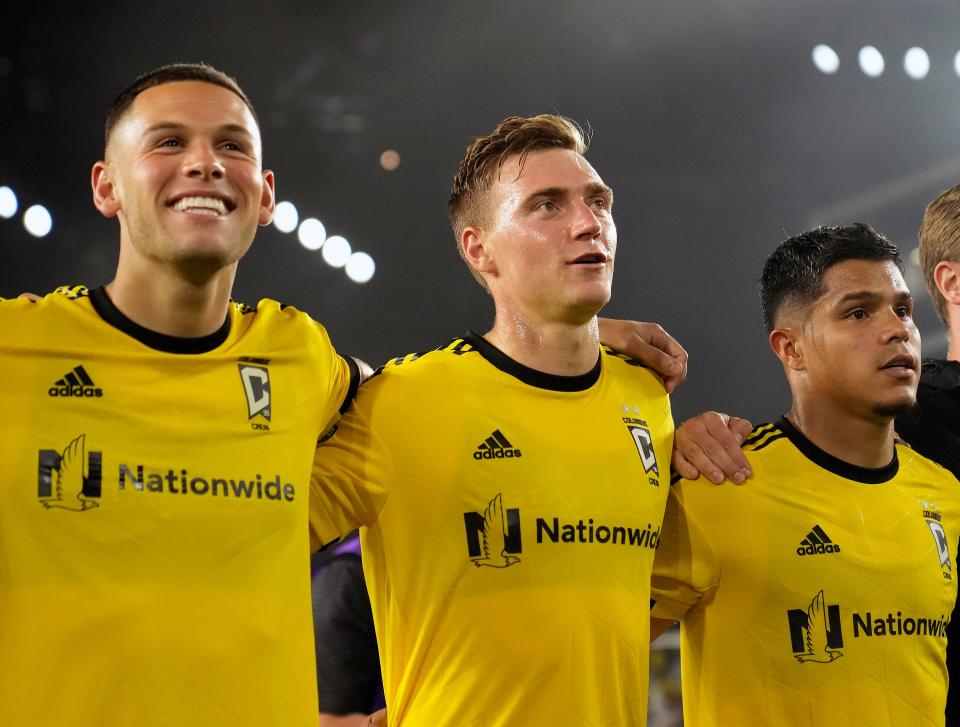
(587, 222)
(203, 163)
(899, 327)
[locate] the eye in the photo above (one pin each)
(169, 143)
(547, 205)
(903, 311)
(601, 203)
(857, 314)
(232, 146)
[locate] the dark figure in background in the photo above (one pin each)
(348, 665)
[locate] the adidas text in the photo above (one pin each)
(818, 549)
(80, 391)
(496, 453)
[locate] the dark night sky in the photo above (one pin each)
(711, 122)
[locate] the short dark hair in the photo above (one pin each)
(170, 74)
(485, 156)
(793, 274)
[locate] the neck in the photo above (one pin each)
(953, 353)
(563, 349)
(165, 301)
(854, 439)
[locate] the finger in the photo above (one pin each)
(703, 463)
(658, 337)
(666, 366)
(721, 444)
(680, 465)
(741, 427)
(32, 297)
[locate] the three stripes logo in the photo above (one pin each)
(76, 382)
(496, 446)
(817, 542)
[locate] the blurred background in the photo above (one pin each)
(723, 126)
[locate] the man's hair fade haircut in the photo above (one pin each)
(793, 274)
(486, 155)
(940, 240)
(171, 73)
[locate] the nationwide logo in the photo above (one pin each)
(817, 542)
(255, 377)
(496, 446)
(815, 633)
(493, 539)
(76, 382)
(71, 479)
(640, 432)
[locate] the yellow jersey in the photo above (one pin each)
(816, 594)
(154, 538)
(510, 562)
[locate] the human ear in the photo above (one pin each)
(105, 197)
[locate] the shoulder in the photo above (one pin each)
(912, 462)
(425, 364)
(277, 319)
(64, 297)
(625, 369)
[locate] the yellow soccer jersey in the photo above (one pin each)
(154, 519)
(817, 594)
(510, 562)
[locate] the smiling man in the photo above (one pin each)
(819, 594)
(526, 468)
(157, 446)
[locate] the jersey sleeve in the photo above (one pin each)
(338, 375)
(686, 568)
(349, 468)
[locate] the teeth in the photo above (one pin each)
(201, 205)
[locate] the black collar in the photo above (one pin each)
(541, 380)
(867, 475)
(159, 341)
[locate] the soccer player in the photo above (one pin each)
(819, 594)
(526, 469)
(158, 441)
(932, 427)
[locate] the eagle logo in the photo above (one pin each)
(493, 552)
(815, 634)
(69, 491)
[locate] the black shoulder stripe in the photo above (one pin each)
(354, 383)
(774, 438)
(758, 433)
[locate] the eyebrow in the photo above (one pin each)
(594, 189)
(176, 126)
(870, 296)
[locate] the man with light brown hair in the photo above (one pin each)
(933, 426)
(526, 469)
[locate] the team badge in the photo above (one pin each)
(255, 377)
(932, 517)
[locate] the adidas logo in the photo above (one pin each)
(496, 446)
(75, 383)
(817, 542)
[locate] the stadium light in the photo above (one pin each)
(37, 221)
(825, 59)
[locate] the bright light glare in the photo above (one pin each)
(285, 217)
(38, 221)
(360, 267)
(871, 62)
(956, 63)
(826, 59)
(336, 251)
(916, 63)
(312, 233)
(8, 203)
